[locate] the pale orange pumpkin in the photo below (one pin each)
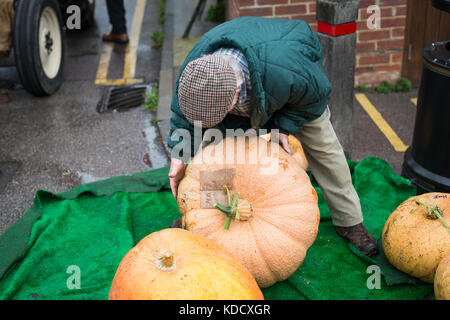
(414, 238)
(442, 279)
(296, 150)
(175, 264)
(278, 208)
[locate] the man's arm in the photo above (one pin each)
(291, 118)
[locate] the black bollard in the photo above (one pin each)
(427, 161)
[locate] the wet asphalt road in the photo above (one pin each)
(59, 142)
(369, 141)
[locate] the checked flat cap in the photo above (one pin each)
(206, 90)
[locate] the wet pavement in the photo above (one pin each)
(59, 142)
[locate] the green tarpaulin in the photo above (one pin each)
(91, 228)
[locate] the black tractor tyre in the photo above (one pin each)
(39, 45)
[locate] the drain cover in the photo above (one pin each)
(123, 98)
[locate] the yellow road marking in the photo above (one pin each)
(118, 82)
(385, 128)
(129, 69)
(130, 56)
(105, 58)
(414, 100)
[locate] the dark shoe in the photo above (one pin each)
(360, 238)
(121, 38)
(177, 223)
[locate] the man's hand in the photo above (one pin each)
(284, 141)
(176, 173)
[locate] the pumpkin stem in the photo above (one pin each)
(235, 200)
(229, 210)
(224, 209)
(434, 212)
(165, 261)
(227, 190)
(227, 223)
(234, 210)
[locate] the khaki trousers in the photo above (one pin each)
(328, 165)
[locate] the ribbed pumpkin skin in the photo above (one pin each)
(442, 279)
(272, 244)
(414, 243)
(202, 270)
(296, 150)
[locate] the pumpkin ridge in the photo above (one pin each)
(442, 278)
(220, 237)
(218, 231)
(277, 194)
(261, 253)
(257, 211)
(256, 205)
(280, 175)
(191, 212)
(266, 258)
(277, 227)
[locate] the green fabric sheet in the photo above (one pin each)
(95, 225)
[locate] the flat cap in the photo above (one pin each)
(206, 90)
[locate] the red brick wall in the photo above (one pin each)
(287, 9)
(379, 52)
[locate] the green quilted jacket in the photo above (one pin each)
(289, 86)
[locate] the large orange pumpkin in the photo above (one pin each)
(175, 264)
(415, 238)
(276, 218)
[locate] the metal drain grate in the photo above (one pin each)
(123, 98)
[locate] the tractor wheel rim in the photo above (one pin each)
(50, 42)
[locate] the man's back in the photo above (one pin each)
(289, 86)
